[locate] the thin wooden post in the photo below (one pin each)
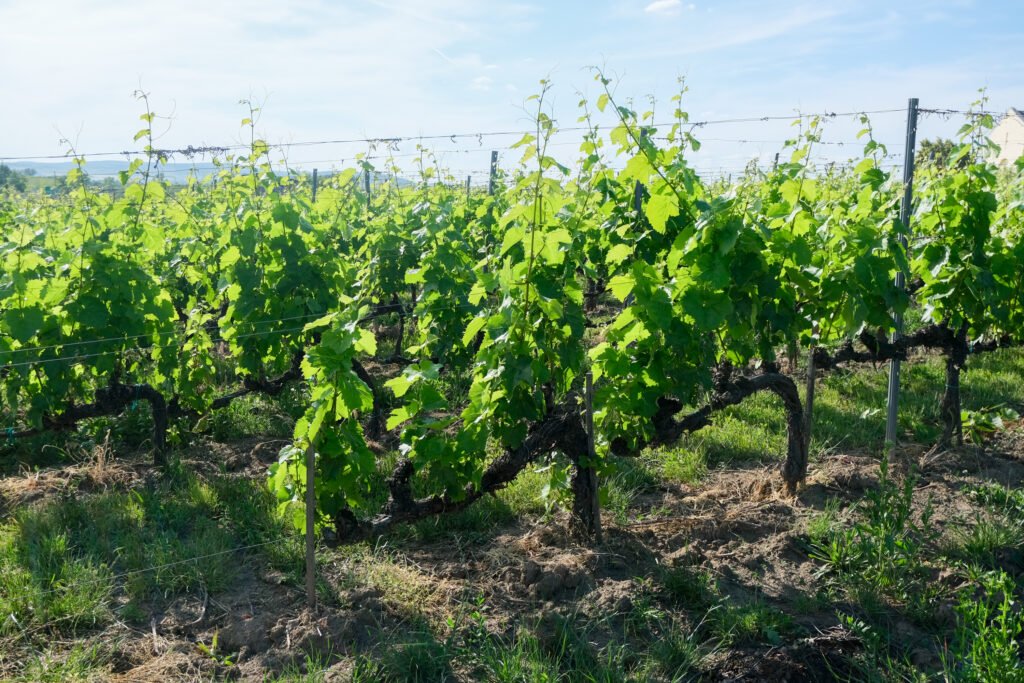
(775, 164)
(494, 172)
(310, 524)
(905, 209)
(468, 179)
(366, 186)
(314, 184)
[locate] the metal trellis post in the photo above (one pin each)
(494, 172)
(905, 209)
(310, 522)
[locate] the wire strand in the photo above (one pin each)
(191, 151)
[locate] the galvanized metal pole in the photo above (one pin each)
(638, 187)
(494, 172)
(638, 207)
(905, 209)
(366, 186)
(595, 499)
(809, 398)
(310, 531)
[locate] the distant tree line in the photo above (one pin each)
(16, 180)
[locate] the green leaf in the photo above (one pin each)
(23, 323)
(618, 254)
(513, 236)
(399, 385)
(397, 417)
(324, 321)
(637, 168)
(366, 342)
(621, 286)
(660, 208)
(474, 326)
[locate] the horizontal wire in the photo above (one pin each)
(158, 347)
(143, 336)
(190, 150)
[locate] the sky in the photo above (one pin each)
(335, 70)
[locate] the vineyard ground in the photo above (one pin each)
(707, 571)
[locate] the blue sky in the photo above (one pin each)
(331, 70)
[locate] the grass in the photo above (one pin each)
(987, 642)
(80, 663)
(849, 414)
(882, 559)
(312, 669)
(629, 479)
(72, 566)
(552, 647)
(255, 415)
(63, 561)
(823, 525)
(992, 541)
(688, 587)
(885, 548)
(748, 623)
(555, 648)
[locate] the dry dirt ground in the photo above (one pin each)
(736, 525)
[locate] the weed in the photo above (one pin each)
(752, 622)
(416, 657)
(823, 525)
(688, 587)
(981, 424)
(83, 662)
(876, 663)
(884, 550)
(312, 669)
(993, 540)
(1008, 500)
(989, 629)
(212, 651)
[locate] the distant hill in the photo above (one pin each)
(175, 172)
(105, 169)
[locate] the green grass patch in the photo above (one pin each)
(746, 623)
(62, 560)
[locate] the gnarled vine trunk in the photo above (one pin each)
(949, 408)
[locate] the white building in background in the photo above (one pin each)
(1009, 135)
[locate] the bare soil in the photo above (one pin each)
(737, 524)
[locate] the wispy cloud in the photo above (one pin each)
(403, 67)
(481, 83)
(666, 7)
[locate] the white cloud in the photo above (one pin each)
(327, 70)
(668, 7)
(481, 83)
(402, 67)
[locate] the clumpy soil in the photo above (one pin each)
(736, 527)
